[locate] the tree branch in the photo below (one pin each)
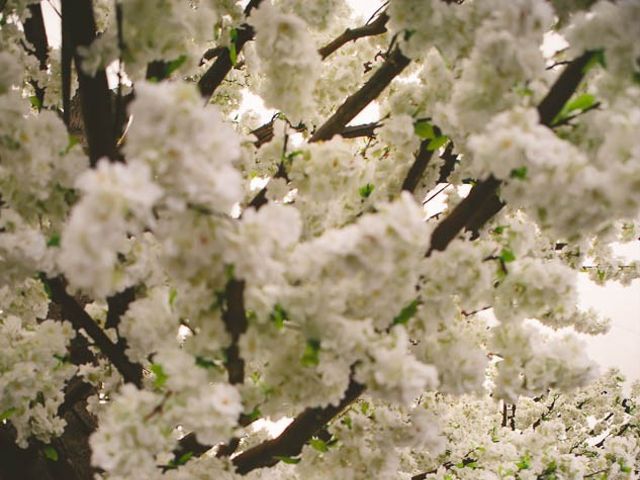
(395, 63)
(483, 202)
(377, 27)
(294, 437)
(72, 311)
(35, 33)
(80, 27)
(235, 321)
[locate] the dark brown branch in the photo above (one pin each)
(563, 88)
(420, 163)
(214, 76)
(235, 321)
(377, 27)
(97, 114)
(546, 414)
(117, 306)
(36, 34)
(483, 202)
(395, 63)
(362, 130)
(264, 133)
(294, 437)
(72, 311)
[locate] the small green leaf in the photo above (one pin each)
(35, 102)
(255, 414)
(346, 420)
(507, 256)
(285, 459)
(582, 102)
(437, 142)
(406, 313)
(365, 407)
(233, 49)
(173, 294)
(524, 463)
(7, 413)
(51, 453)
(499, 230)
(229, 271)
(311, 355)
(408, 34)
(54, 240)
(174, 65)
(319, 444)
(184, 458)
(597, 58)
(161, 376)
(424, 129)
(73, 141)
(278, 316)
(204, 362)
(519, 173)
(366, 191)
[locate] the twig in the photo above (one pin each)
(72, 311)
(378, 27)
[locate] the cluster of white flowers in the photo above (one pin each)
(287, 60)
(153, 31)
(531, 364)
(328, 177)
(117, 201)
(39, 164)
(33, 372)
(190, 150)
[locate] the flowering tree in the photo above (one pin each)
(172, 271)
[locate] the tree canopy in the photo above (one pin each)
(199, 237)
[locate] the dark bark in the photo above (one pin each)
(377, 27)
(79, 29)
(395, 63)
(294, 437)
(72, 311)
(36, 34)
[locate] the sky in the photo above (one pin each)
(621, 346)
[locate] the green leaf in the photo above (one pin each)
(524, 463)
(51, 453)
(424, 129)
(319, 444)
(161, 376)
(437, 142)
(499, 230)
(406, 313)
(255, 414)
(507, 255)
(174, 65)
(597, 58)
(285, 459)
(366, 191)
(580, 103)
(233, 49)
(365, 407)
(311, 355)
(229, 271)
(204, 362)
(346, 420)
(519, 173)
(54, 240)
(184, 458)
(35, 102)
(173, 294)
(7, 413)
(73, 141)
(278, 316)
